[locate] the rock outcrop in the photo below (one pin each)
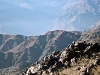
(78, 57)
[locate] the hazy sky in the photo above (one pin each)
(29, 17)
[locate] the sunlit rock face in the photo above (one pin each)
(78, 15)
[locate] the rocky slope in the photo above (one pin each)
(18, 52)
(91, 35)
(79, 58)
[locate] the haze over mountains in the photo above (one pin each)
(39, 17)
(18, 51)
(78, 15)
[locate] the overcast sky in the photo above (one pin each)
(29, 17)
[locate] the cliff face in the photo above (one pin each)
(18, 52)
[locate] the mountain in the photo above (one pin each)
(18, 51)
(92, 35)
(79, 58)
(78, 15)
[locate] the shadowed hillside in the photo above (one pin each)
(18, 52)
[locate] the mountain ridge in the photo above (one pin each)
(18, 51)
(92, 35)
(84, 52)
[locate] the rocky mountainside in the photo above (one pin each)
(18, 52)
(78, 15)
(79, 58)
(92, 35)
